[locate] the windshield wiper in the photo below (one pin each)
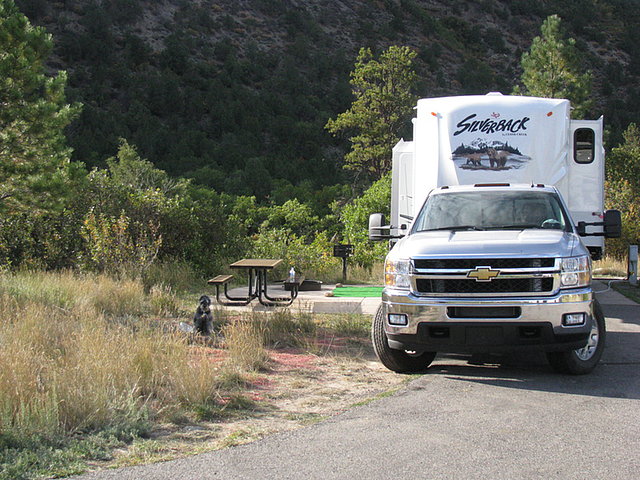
(514, 227)
(454, 228)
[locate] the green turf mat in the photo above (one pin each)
(357, 292)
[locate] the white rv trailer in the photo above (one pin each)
(495, 138)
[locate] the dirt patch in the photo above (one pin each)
(298, 389)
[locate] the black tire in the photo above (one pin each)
(396, 360)
(583, 360)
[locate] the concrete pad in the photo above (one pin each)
(336, 307)
(313, 301)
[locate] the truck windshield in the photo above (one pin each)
(491, 210)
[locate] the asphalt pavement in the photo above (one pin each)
(480, 417)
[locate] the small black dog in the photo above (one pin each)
(203, 319)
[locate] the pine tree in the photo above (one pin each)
(382, 108)
(552, 69)
(33, 115)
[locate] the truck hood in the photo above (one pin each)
(490, 243)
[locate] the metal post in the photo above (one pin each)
(633, 264)
(344, 269)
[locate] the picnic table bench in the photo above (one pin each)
(290, 284)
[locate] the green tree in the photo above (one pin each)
(552, 68)
(623, 162)
(136, 174)
(622, 189)
(381, 110)
(355, 218)
(33, 115)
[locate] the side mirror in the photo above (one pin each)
(377, 229)
(582, 228)
(612, 224)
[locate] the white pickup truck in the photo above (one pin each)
(494, 265)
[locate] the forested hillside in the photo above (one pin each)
(235, 94)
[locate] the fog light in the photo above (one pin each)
(573, 319)
(399, 319)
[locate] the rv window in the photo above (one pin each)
(584, 140)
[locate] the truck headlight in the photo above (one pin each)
(575, 271)
(396, 273)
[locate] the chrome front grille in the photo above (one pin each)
(516, 277)
(524, 285)
(470, 263)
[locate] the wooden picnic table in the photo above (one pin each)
(256, 263)
(256, 269)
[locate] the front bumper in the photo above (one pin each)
(487, 324)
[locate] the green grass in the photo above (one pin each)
(306, 419)
(380, 396)
(238, 438)
(37, 456)
(628, 290)
(348, 324)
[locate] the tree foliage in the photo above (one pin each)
(355, 217)
(552, 68)
(623, 162)
(622, 189)
(33, 115)
(381, 110)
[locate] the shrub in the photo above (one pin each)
(115, 246)
(621, 195)
(355, 217)
(310, 258)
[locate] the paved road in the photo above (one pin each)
(491, 418)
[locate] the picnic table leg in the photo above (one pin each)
(231, 301)
(269, 301)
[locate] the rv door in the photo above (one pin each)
(586, 177)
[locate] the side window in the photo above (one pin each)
(584, 141)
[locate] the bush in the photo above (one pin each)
(311, 258)
(621, 195)
(115, 246)
(355, 217)
(622, 190)
(41, 240)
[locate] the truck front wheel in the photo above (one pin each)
(399, 361)
(583, 360)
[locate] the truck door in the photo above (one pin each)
(402, 187)
(586, 176)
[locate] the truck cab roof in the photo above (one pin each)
(496, 186)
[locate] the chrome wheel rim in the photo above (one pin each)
(589, 350)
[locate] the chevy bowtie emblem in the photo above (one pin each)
(483, 274)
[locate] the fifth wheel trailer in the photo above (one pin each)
(498, 138)
(494, 207)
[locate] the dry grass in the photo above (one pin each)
(92, 358)
(244, 340)
(610, 267)
(77, 357)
